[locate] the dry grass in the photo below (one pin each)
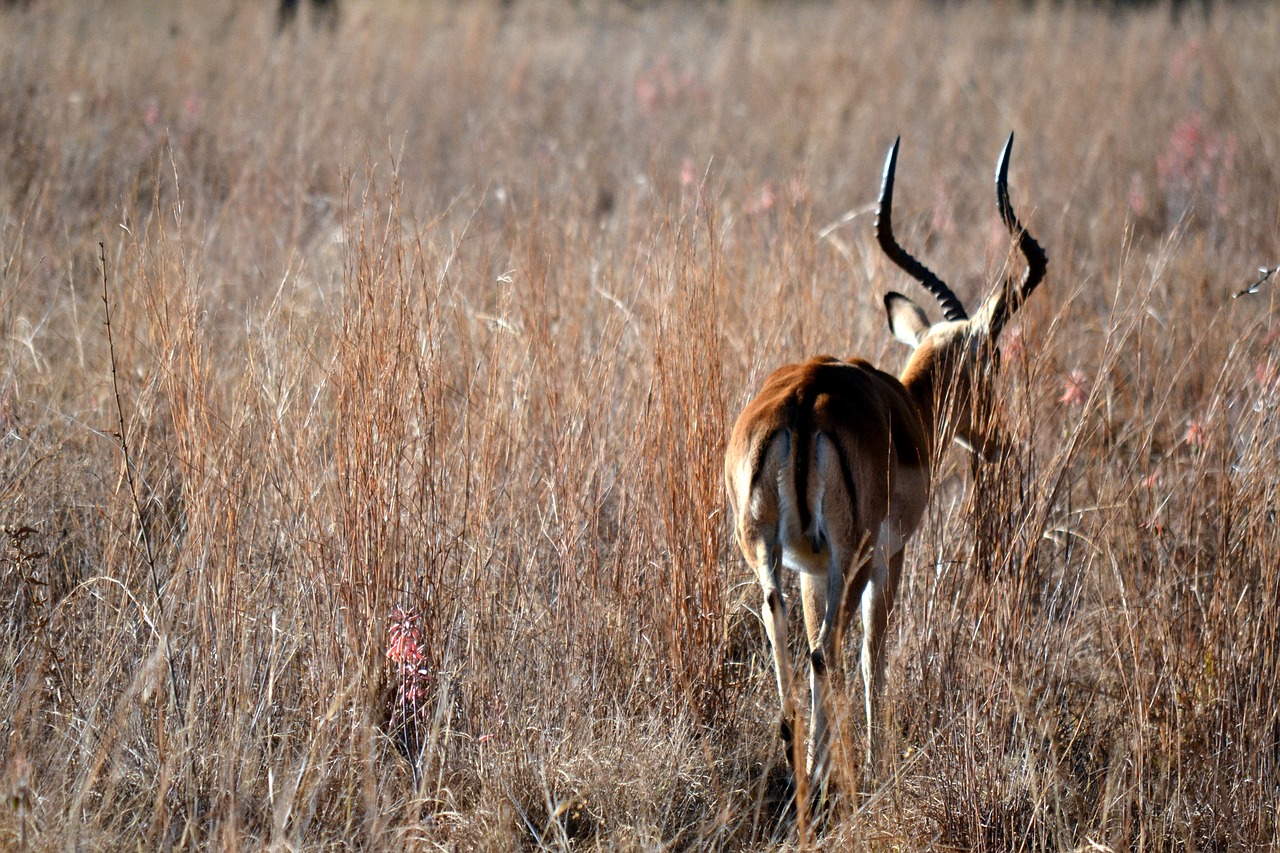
(444, 321)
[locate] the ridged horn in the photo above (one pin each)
(952, 309)
(1007, 300)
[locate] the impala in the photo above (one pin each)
(829, 468)
(323, 12)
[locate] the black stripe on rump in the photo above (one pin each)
(802, 429)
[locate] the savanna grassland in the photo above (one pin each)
(363, 399)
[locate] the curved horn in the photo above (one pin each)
(1007, 300)
(952, 309)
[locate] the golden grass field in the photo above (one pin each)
(387, 510)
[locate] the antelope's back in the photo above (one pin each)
(771, 462)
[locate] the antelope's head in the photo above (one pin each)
(952, 370)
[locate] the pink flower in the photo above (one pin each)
(404, 642)
(688, 173)
(1196, 162)
(192, 109)
(1197, 434)
(660, 86)
(412, 671)
(1267, 373)
(1013, 345)
(763, 201)
(1075, 389)
(646, 95)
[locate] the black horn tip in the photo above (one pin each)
(1002, 182)
(890, 166)
(1002, 167)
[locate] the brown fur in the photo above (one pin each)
(829, 468)
(881, 442)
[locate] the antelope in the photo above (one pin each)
(324, 12)
(829, 467)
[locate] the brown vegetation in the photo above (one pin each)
(425, 337)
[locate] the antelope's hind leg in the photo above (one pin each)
(821, 595)
(768, 566)
(877, 603)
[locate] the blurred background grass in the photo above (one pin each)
(427, 336)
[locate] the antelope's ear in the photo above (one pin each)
(906, 319)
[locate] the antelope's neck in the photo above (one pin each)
(921, 385)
